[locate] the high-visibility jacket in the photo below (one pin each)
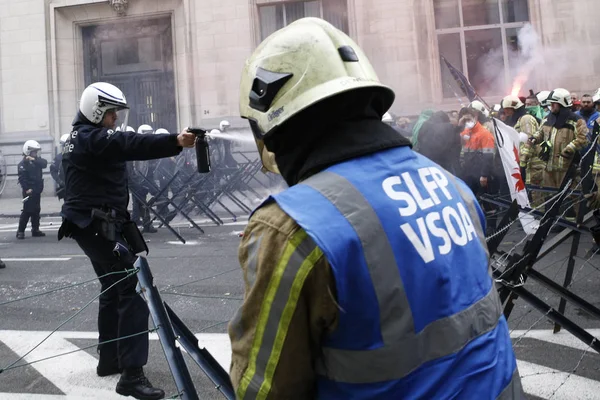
(419, 314)
(478, 152)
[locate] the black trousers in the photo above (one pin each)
(122, 311)
(31, 209)
(140, 211)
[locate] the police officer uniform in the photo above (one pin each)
(31, 180)
(96, 217)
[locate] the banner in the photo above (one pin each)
(508, 143)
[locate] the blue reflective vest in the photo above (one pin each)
(419, 314)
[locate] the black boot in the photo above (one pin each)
(134, 383)
(149, 229)
(21, 235)
(2, 265)
(37, 234)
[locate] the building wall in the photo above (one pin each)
(24, 85)
(41, 67)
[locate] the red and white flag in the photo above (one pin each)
(508, 143)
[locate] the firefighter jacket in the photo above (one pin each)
(563, 131)
(377, 303)
(528, 125)
(478, 152)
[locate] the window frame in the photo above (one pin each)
(266, 3)
(503, 26)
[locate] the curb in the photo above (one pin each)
(42, 215)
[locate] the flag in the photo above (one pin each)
(464, 84)
(462, 81)
(508, 143)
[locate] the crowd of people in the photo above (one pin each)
(553, 126)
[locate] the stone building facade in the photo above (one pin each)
(179, 61)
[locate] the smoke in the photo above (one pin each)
(238, 137)
(531, 65)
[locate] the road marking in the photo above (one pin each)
(563, 338)
(542, 382)
(74, 374)
(37, 259)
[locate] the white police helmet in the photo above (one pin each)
(145, 129)
(100, 97)
(30, 146)
(161, 131)
(129, 129)
(224, 125)
(64, 138)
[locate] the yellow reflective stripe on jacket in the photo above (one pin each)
(277, 310)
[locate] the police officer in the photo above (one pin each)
(32, 184)
(163, 173)
(95, 215)
(390, 298)
(56, 170)
(140, 173)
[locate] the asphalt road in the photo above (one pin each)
(202, 282)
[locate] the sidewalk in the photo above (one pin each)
(11, 207)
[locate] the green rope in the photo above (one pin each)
(62, 288)
(81, 349)
(134, 271)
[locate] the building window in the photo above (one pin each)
(479, 37)
(275, 16)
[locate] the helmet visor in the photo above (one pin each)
(122, 119)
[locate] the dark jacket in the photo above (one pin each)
(58, 174)
(31, 175)
(94, 162)
(440, 141)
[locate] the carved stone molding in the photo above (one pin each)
(120, 6)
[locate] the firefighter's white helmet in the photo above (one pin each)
(543, 97)
(224, 125)
(30, 146)
(64, 138)
(100, 97)
(560, 96)
(161, 131)
(296, 67)
(145, 129)
(511, 101)
(477, 105)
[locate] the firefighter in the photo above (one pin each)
(376, 303)
(561, 135)
(532, 167)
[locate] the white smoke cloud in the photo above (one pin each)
(533, 66)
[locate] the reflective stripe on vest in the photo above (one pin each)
(276, 313)
(404, 350)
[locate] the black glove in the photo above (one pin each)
(524, 174)
(545, 151)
